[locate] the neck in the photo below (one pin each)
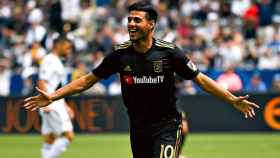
(143, 45)
(55, 52)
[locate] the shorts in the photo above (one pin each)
(57, 121)
(163, 144)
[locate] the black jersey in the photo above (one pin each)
(148, 81)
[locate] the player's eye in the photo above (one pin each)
(129, 19)
(134, 19)
(137, 20)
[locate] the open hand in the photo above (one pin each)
(245, 106)
(38, 101)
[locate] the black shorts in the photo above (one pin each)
(163, 144)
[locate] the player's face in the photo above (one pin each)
(65, 49)
(138, 25)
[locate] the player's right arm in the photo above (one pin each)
(44, 99)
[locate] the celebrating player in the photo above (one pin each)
(147, 66)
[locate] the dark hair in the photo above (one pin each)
(60, 39)
(146, 7)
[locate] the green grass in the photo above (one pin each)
(210, 145)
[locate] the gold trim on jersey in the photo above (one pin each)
(178, 142)
(162, 43)
(127, 68)
(123, 45)
(173, 148)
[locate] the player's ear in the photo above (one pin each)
(152, 25)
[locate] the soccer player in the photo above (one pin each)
(146, 66)
(57, 128)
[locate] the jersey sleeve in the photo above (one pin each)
(184, 66)
(109, 66)
(46, 70)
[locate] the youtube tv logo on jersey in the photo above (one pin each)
(130, 80)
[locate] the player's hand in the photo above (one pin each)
(245, 106)
(38, 101)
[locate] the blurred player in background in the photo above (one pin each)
(57, 128)
(147, 67)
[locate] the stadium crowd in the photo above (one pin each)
(236, 42)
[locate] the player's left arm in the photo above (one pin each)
(188, 70)
(240, 103)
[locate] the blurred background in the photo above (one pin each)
(232, 41)
(235, 42)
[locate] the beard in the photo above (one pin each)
(139, 35)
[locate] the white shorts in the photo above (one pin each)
(57, 121)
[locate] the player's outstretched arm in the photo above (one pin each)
(43, 99)
(240, 103)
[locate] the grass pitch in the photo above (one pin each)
(198, 145)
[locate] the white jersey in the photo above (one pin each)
(53, 73)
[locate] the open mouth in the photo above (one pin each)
(132, 30)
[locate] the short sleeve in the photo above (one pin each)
(109, 66)
(184, 66)
(45, 70)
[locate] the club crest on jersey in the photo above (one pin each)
(158, 66)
